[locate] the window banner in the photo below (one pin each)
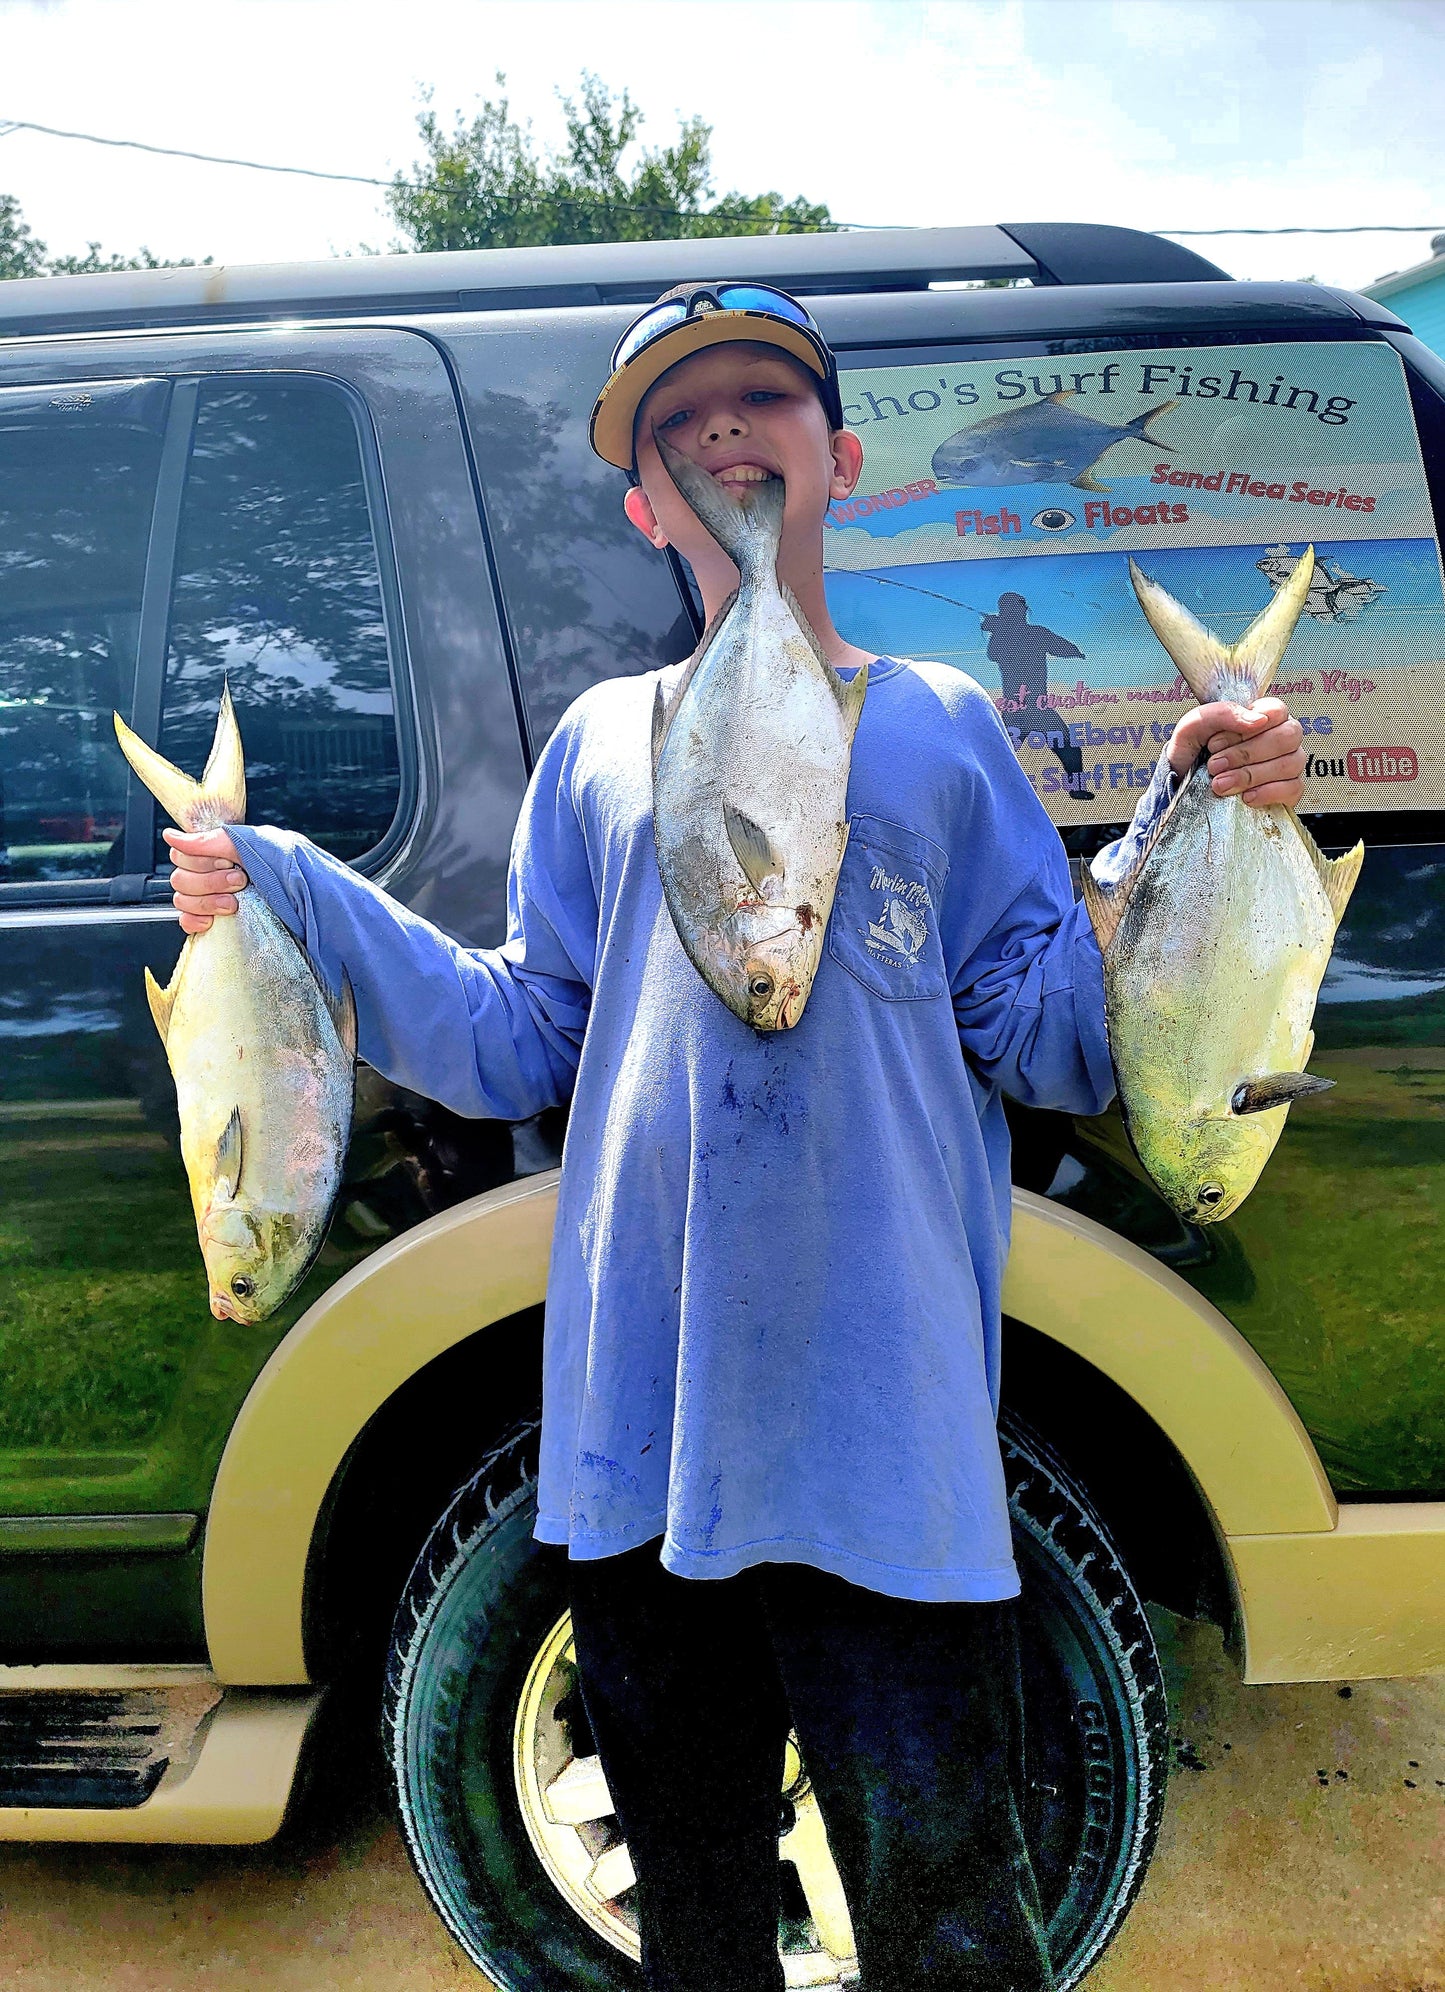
(1000, 500)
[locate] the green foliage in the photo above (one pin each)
(483, 185)
(22, 254)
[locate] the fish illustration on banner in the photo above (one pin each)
(1043, 444)
(1000, 503)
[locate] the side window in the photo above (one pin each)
(1002, 500)
(277, 591)
(586, 597)
(78, 472)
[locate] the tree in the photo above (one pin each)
(483, 185)
(23, 254)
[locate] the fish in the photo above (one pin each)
(1216, 942)
(263, 1057)
(1045, 443)
(751, 750)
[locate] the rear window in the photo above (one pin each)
(78, 471)
(1001, 500)
(277, 593)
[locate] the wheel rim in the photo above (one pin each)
(569, 1819)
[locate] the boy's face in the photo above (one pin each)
(743, 411)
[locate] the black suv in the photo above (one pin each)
(362, 491)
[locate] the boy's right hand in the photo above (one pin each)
(207, 876)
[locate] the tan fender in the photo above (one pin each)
(1178, 1358)
(1072, 1279)
(388, 1318)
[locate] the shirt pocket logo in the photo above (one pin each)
(884, 928)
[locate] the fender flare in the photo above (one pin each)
(1136, 1321)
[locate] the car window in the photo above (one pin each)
(586, 596)
(277, 592)
(1002, 499)
(78, 471)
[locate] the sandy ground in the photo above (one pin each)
(1303, 1847)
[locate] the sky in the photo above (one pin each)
(1150, 113)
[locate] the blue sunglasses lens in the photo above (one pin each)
(647, 329)
(754, 297)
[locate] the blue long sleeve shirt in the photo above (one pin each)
(772, 1325)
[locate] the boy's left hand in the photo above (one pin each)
(1255, 752)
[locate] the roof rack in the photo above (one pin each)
(848, 260)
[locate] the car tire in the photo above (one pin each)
(498, 1785)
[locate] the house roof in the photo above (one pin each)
(1418, 273)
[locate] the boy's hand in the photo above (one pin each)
(1255, 752)
(207, 876)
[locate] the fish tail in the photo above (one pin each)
(1140, 424)
(1215, 670)
(218, 797)
(748, 530)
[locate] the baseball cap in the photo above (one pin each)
(683, 321)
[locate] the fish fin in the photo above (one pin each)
(752, 847)
(806, 627)
(747, 530)
(1105, 906)
(162, 1001)
(220, 795)
(664, 709)
(1257, 653)
(1061, 394)
(1336, 875)
(341, 1008)
(1085, 481)
(1141, 422)
(229, 1156)
(1276, 1089)
(851, 694)
(1201, 660)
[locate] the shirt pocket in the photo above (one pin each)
(884, 928)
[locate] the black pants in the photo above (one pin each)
(910, 1723)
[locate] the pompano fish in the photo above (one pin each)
(750, 759)
(262, 1056)
(1046, 443)
(1216, 943)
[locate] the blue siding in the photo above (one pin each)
(1422, 307)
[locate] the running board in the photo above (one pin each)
(146, 1754)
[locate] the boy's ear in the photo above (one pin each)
(847, 463)
(638, 507)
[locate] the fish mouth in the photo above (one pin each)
(222, 1308)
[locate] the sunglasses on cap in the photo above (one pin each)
(759, 300)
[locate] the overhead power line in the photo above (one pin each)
(8, 125)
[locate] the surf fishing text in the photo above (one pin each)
(1149, 378)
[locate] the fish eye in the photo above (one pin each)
(1209, 1195)
(1053, 519)
(243, 1286)
(760, 986)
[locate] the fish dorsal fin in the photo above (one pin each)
(664, 709)
(229, 1157)
(220, 795)
(1107, 903)
(341, 1008)
(1061, 395)
(851, 694)
(1336, 875)
(1213, 669)
(162, 1001)
(805, 626)
(752, 847)
(1276, 1089)
(1105, 906)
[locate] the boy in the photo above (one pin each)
(771, 1360)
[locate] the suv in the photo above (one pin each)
(362, 490)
